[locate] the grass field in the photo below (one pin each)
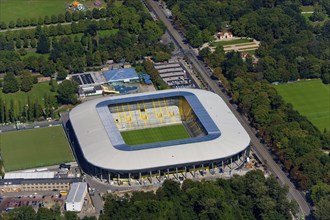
(21, 98)
(307, 8)
(311, 98)
(10, 10)
(34, 148)
(152, 135)
(232, 42)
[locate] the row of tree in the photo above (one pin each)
(242, 197)
(58, 19)
(12, 110)
(28, 213)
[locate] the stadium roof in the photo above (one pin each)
(120, 75)
(92, 130)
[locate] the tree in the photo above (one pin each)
(19, 22)
(33, 43)
(10, 83)
(67, 92)
(54, 19)
(47, 20)
(61, 18)
(26, 82)
(43, 44)
(70, 216)
(12, 24)
(23, 213)
(68, 17)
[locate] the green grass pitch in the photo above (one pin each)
(311, 98)
(10, 10)
(152, 135)
(34, 148)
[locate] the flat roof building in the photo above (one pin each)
(121, 75)
(75, 199)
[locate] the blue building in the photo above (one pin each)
(121, 75)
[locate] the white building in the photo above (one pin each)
(75, 200)
(30, 175)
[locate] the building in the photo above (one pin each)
(217, 139)
(29, 175)
(121, 75)
(75, 199)
(18, 185)
(225, 35)
(90, 90)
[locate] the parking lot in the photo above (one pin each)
(47, 200)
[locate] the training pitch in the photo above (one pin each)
(311, 98)
(153, 135)
(12, 10)
(34, 148)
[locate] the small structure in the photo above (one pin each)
(75, 200)
(121, 75)
(224, 35)
(90, 90)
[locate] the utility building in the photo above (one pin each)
(75, 200)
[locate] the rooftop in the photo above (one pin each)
(118, 75)
(77, 192)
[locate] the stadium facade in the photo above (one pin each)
(217, 139)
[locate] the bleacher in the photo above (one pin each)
(145, 115)
(156, 112)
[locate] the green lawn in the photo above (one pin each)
(21, 98)
(152, 135)
(36, 147)
(311, 98)
(105, 33)
(34, 54)
(232, 42)
(10, 10)
(309, 8)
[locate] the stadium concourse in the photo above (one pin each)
(211, 137)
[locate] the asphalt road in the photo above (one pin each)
(260, 149)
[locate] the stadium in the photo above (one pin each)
(157, 133)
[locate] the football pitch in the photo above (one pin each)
(34, 148)
(11, 10)
(152, 135)
(311, 98)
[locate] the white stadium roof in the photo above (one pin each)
(99, 150)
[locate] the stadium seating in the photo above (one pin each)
(156, 112)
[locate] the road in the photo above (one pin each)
(260, 149)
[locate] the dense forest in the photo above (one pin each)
(290, 49)
(242, 197)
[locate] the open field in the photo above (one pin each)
(152, 135)
(21, 98)
(34, 148)
(10, 10)
(232, 42)
(311, 98)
